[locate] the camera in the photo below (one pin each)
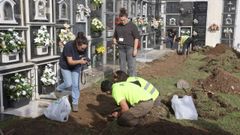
(88, 60)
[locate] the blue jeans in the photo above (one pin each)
(71, 79)
(127, 60)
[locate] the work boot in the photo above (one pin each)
(75, 107)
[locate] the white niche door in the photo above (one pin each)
(40, 10)
(7, 12)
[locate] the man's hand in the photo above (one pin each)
(114, 42)
(135, 51)
(115, 114)
(84, 60)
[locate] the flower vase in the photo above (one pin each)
(96, 34)
(9, 58)
(19, 103)
(97, 61)
(42, 50)
(47, 89)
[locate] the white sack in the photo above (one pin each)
(59, 110)
(184, 108)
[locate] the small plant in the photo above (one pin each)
(156, 24)
(96, 25)
(65, 35)
(49, 76)
(18, 86)
(97, 3)
(140, 21)
(81, 8)
(100, 48)
(43, 37)
(10, 42)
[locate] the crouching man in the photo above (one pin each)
(133, 100)
(120, 76)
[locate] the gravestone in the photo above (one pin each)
(200, 15)
(228, 22)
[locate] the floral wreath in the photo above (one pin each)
(213, 28)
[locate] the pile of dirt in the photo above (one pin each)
(218, 50)
(221, 57)
(223, 81)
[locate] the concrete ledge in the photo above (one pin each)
(149, 56)
(32, 110)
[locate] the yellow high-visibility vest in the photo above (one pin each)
(146, 86)
(183, 39)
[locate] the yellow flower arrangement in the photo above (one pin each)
(100, 48)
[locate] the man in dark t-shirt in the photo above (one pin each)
(126, 36)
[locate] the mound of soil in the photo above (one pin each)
(221, 80)
(222, 57)
(218, 49)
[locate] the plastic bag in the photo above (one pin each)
(184, 108)
(59, 110)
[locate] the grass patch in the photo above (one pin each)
(214, 117)
(230, 123)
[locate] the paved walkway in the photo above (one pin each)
(36, 108)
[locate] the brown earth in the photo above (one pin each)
(221, 80)
(167, 66)
(218, 50)
(95, 106)
(221, 59)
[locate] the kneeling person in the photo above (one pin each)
(134, 102)
(120, 76)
